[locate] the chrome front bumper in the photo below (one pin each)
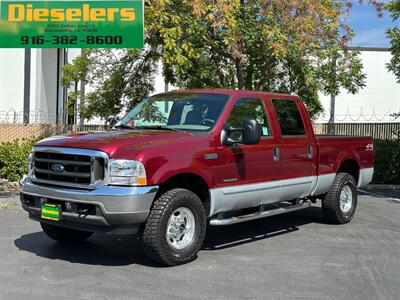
(118, 210)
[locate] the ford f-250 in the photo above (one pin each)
(182, 160)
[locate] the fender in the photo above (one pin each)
(343, 156)
(170, 169)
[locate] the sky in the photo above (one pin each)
(369, 29)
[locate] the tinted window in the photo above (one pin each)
(289, 117)
(248, 108)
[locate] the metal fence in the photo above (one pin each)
(383, 131)
(11, 132)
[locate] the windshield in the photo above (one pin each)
(186, 112)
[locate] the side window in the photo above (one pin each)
(289, 117)
(248, 108)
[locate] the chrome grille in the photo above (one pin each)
(69, 167)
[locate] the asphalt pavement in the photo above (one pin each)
(289, 256)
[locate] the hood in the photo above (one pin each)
(111, 141)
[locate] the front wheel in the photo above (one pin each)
(340, 203)
(65, 235)
(175, 229)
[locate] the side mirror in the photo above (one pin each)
(251, 132)
(112, 122)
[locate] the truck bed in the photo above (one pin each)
(333, 150)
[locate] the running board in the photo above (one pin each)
(259, 215)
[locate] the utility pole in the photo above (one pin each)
(27, 85)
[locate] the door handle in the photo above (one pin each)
(310, 152)
(276, 153)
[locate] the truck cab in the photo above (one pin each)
(183, 159)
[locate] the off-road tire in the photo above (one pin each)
(65, 235)
(331, 202)
(155, 241)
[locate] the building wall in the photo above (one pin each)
(11, 82)
(43, 100)
(376, 101)
(46, 101)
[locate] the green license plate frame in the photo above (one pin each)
(51, 212)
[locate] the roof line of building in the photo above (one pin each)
(381, 49)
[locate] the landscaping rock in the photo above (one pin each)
(6, 186)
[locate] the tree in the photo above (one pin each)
(394, 36)
(284, 46)
(281, 46)
(118, 79)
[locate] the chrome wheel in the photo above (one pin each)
(180, 228)
(346, 199)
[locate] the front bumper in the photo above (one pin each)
(110, 209)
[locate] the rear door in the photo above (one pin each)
(296, 150)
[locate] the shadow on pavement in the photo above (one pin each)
(121, 251)
(234, 235)
(98, 250)
(381, 193)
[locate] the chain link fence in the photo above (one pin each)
(11, 132)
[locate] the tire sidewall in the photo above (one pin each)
(190, 201)
(349, 181)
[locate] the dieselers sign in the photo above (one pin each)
(71, 24)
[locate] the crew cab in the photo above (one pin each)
(185, 159)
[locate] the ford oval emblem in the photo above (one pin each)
(57, 168)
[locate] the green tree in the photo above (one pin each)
(394, 36)
(118, 79)
(276, 45)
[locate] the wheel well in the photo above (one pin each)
(191, 182)
(350, 166)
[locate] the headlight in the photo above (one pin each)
(127, 172)
(30, 165)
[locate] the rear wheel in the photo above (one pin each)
(65, 235)
(175, 229)
(340, 203)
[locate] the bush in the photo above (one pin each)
(14, 158)
(387, 162)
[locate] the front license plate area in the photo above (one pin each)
(51, 212)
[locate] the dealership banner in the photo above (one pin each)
(71, 24)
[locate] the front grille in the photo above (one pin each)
(68, 169)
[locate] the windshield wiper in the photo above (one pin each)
(123, 126)
(157, 128)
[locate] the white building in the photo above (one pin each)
(379, 99)
(30, 89)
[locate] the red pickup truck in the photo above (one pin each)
(182, 160)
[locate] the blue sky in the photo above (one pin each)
(369, 29)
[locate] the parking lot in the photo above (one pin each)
(288, 256)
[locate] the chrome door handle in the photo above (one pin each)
(276, 154)
(310, 152)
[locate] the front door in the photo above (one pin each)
(250, 175)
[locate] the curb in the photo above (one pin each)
(381, 187)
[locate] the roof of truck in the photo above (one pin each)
(231, 92)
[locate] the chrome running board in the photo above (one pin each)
(282, 209)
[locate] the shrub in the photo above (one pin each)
(14, 158)
(387, 162)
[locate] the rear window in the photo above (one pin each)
(289, 117)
